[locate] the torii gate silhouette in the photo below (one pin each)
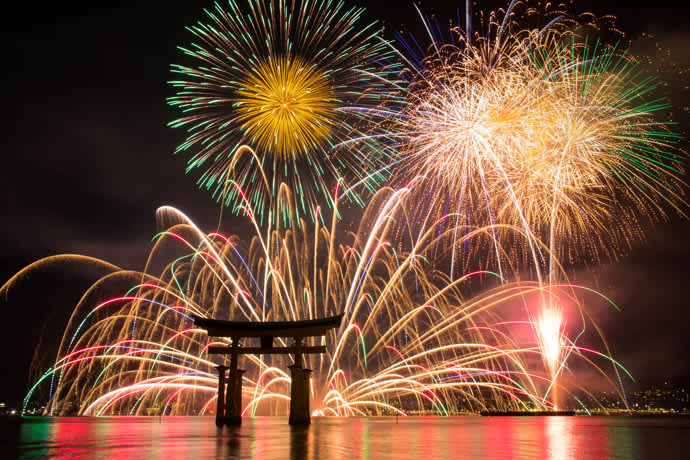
(229, 405)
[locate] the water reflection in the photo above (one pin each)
(502, 438)
(301, 442)
(560, 438)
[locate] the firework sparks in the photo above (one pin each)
(536, 141)
(550, 336)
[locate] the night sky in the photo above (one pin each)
(87, 158)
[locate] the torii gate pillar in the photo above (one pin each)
(220, 404)
(299, 389)
(299, 396)
(233, 404)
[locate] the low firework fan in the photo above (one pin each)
(270, 89)
(411, 341)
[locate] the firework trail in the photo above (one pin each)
(412, 340)
(270, 88)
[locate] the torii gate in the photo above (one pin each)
(229, 405)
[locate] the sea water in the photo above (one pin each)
(375, 438)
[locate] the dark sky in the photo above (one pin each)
(87, 159)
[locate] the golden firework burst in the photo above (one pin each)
(286, 107)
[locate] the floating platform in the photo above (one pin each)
(520, 413)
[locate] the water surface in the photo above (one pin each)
(470, 437)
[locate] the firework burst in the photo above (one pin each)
(538, 128)
(270, 89)
(286, 108)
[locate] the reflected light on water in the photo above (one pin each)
(469, 437)
(559, 438)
